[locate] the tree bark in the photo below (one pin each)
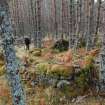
(12, 68)
(71, 24)
(90, 25)
(102, 59)
(98, 21)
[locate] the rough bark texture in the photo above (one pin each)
(90, 25)
(56, 24)
(34, 21)
(38, 24)
(102, 59)
(71, 24)
(10, 57)
(98, 21)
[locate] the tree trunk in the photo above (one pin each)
(12, 68)
(56, 23)
(102, 67)
(98, 21)
(39, 33)
(102, 59)
(71, 25)
(90, 25)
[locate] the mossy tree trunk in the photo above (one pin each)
(10, 57)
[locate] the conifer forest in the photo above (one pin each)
(52, 52)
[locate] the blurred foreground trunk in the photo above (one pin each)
(12, 67)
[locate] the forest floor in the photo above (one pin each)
(90, 100)
(38, 97)
(21, 52)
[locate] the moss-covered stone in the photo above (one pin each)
(60, 70)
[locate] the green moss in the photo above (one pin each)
(2, 70)
(55, 51)
(59, 70)
(42, 67)
(83, 78)
(36, 52)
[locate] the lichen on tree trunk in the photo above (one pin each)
(102, 59)
(12, 68)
